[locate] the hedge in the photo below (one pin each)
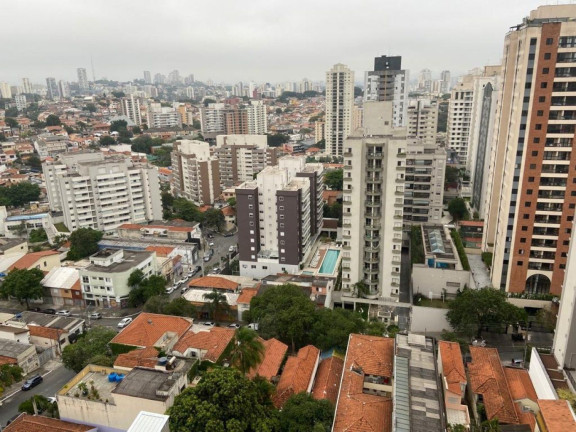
(460, 248)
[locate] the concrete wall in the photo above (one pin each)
(432, 281)
(542, 384)
(426, 319)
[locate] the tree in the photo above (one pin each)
(23, 284)
(11, 122)
(222, 401)
(196, 124)
(43, 406)
(37, 235)
(19, 194)
(118, 94)
(214, 218)
(167, 200)
(9, 374)
(303, 413)
(91, 347)
(208, 101)
(333, 326)
(11, 112)
(284, 312)
(451, 175)
(33, 162)
(53, 120)
(232, 202)
(136, 130)
(457, 209)
(180, 307)
(187, 210)
(107, 140)
(474, 310)
(118, 125)
(2, 137)
(135, 278)
(83, 243)
(276, 140)
(144, 289)
(91, 108)
(247, 350)
(218, 303)
(361, 289)
(334, 179)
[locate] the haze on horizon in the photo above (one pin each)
(261, 40)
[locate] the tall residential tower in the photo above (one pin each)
(339, 105)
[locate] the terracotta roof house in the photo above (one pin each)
(33, 423)
(204, 345)
(214, 282)
(523, 393)
(274, 353)
(488, 383)
(365, 399)
(298, 375)
(328, 377)
(451, 369)
(44, 260)
(556, 416)
(144, 357)
(153, 330)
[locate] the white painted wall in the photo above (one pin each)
(427, 319)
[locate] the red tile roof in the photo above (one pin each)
(161, 251)
(215, 282)
(520, 384)
(7, 360)
(146, 357)
(30, 423)
(246, 295)
(557, 415)
(274, 353)
(357, 411)
(452, 366)
(214, 342)
(228, 211)
(487, 378)
(46, 332)
(327, 383)
(148, 328)
(31, 258)
(297, 375)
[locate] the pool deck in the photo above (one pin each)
(318, 258)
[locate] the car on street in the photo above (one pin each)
(234, 325)
(32, 382)
(95, 315)
(124, 322)
(51, 399)
(253, 326)
(63, 312)
(170, 290)
(211, 244)
(184, 289)
(232, 248)
(208, 324)
(49, 311)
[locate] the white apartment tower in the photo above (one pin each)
(64, 89)
(195, 172)
(26, 86)
(102, 193)
(147, 77)
(52, 87)
(163, 117)
(423, 121)
(257, 122)
(373, 201)
(445, 81)
(5, 90)
(130, 107)
(82, 79)
(339, 105)
(279, 216)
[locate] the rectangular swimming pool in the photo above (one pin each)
(329, 261)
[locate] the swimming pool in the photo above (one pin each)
(329, 261)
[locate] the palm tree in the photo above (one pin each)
(218, 302)
(247, 351)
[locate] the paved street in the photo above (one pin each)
(221, 249)
(54, 380)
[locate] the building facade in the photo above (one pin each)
(279, 215)
(52, 87)
(82, 79)
(130, 107)
(423, 121)
(163, 117)
(373, 201)
(533, 168)
(102, 193)
(339, 105)
(196, 173)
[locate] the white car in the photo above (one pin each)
(124, 322)
(209, 324)
(170, 290)
(232, 248)
(234, 326)
(64, 312)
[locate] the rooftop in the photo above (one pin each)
(30, 259)
(32, 423)
(145, 357)
(557, 415)
(150, 329)
(47, 320)
(214, 282)
(13, 349)
(214, 342)
(130, 260)
(274, 353)
(437, 243)
(61, 277)
(146, 384)
(452, 366)
(246, 295)
(297, 374)
(328, 377)
(149, 422)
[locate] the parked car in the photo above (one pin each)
(184, 289)
(48, 311)
(234, 326)
(253, 326)
(170, 290)
(215, 270)
(211, 244)
(209, 324)
(95, 315)
(63, 312)
(232, 248)
(32, 382)
(124, 322)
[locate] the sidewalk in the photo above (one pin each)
(44, 370)
(75, 311)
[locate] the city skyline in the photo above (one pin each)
(229, 43)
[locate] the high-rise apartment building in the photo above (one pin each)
(219, 118)
(174, 77)
(53, 92)
(319, 131)
(425, 81)
(26, 86)
(20, 100)
(257, 121)
(5, 90)
(147, 77)
(195, 172)
(241, 157)
(339, 105)
(279, 216)
(162, 117)
(235, 121)
(82, 79)
(423, 121)
(159, 78)
(102, 193)
(130, 107)
(64, 89)
(445, 81)
(389, 82)
(372, 204)
(530, 208)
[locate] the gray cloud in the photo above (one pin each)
(260, 40)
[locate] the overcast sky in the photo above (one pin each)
(259, 40)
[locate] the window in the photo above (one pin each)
(542, 99)
(522, 240)
(530, 179)
(529, 191)
(527, 204)
(281, 207)
(543, 85)
(535, 153)
(545, 71)
(526, 216)
(280, 198)
(539, 113)
(520, 263)
(549, 41)
(524, 228)
(536, 139)
(538, 126)
(547, 56)
(532, 166)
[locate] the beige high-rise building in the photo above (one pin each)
(373, 201)
(423, 121)
(195, 172)
(339, 106)
(319, 131)
(130, 107)
(530, 207)
(5, 90)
